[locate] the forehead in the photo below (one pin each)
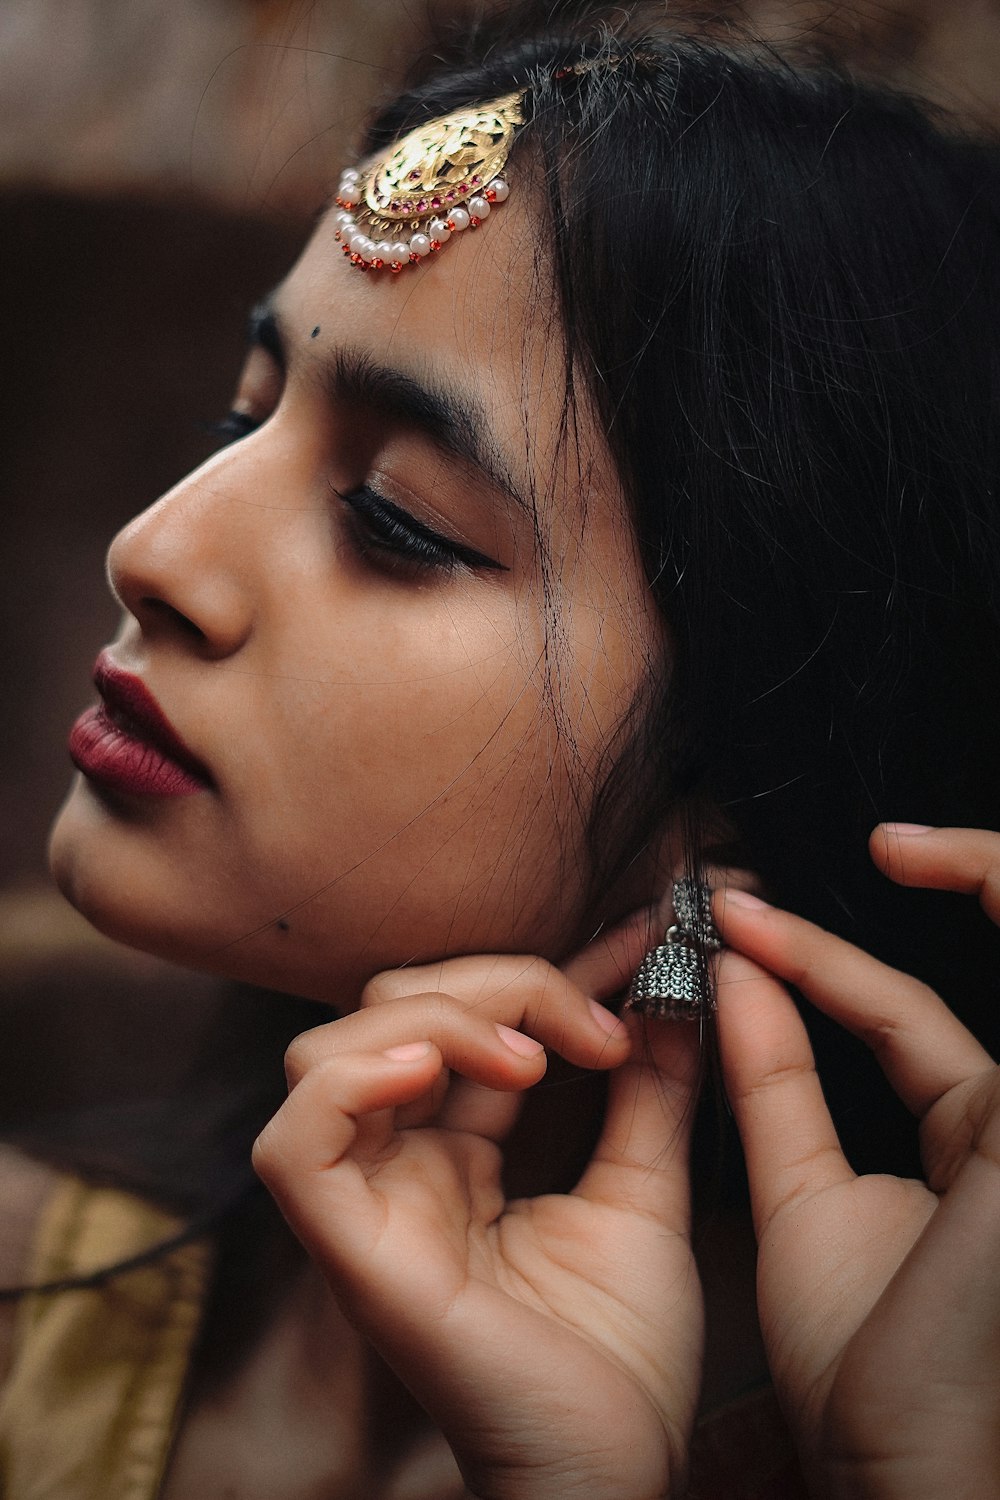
(479, 317)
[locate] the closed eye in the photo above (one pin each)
(233, 426)
(386, 534)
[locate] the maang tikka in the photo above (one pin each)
(442, 178)
(672, 982)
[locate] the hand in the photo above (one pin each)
(556, 1341)
(879, 1298)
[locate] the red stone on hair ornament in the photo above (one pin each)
(442, 178)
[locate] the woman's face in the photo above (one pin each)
(394, 627)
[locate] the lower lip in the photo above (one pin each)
(121, 761)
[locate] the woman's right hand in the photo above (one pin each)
(556, 1341)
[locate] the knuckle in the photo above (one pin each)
(780, 1075)
(890, 1032)
(989, 893)
(983, 1113)
(533, 970)
(318, 1091)
(471, 983)
(533, 984)
(296, 1059)
(299, 1056)
(544, 977)
(434, 1008)
(884, 1035)
(799, 1179)
(303, 1053)
(264, 1154)
(391, 984)
(806, 967)
(441, 1010)
(509, 972)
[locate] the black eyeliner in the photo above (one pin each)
(398, 524)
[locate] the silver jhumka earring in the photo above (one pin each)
(671, 983)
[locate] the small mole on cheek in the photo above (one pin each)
(315, 332)
(282, 925)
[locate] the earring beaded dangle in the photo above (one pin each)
(439, 180)
(671, 982)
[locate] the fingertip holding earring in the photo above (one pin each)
(672, 982)
(734, 896)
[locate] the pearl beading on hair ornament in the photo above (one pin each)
(441, 179)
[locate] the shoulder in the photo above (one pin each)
(26, 1186)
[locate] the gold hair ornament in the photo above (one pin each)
(442, 178)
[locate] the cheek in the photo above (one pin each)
(416, 802)
(607, 640)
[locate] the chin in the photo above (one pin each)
(100, 903)
(112, 890)
(144, 903)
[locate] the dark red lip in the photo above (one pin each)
(128, 744)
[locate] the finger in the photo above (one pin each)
(470, 1107)
(943, 1303)
(486, 1051)
(339, 1123)
(921, 1047)
(640, 1161)
(299, 1151)
(942, 859)
(605, 966)
(521, 992)
(423, 1110)
(789, 1143)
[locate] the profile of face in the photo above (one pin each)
(393, 627)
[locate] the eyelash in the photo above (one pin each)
(389, 536)
(381, 531)
(233, 426)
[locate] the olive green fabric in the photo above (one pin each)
(98, 1375)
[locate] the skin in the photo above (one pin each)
(369, 728)
(369, 724)
(878, 1297)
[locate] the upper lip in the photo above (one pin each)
(130, 705)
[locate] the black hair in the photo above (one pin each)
(778, 291)
(776, 288)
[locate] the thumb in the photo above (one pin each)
(641, 1158)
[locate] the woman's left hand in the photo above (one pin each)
(879, 1298)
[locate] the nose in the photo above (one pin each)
(180, 567)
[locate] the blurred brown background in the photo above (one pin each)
(159, 166)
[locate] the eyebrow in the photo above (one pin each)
(456, 424)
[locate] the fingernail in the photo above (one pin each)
(524, 1046)
(741, 898)
(907, 830)
(408, 1051)
(608, 1022)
